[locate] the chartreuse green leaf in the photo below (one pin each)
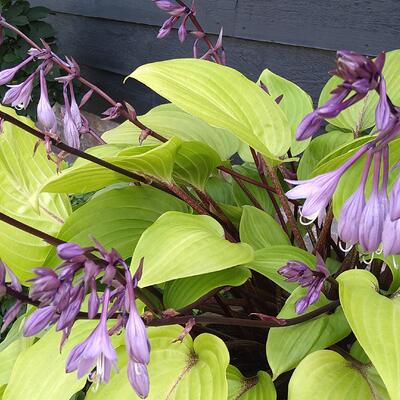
(39, 372)
(325, 374)
(169, 121)
(178, 371)
(319, 148)
(295, 103)
(220, 190)
(361, 115)
(259, 387)
(287, 346)
(155, 161)
(222, 97)
(22, 173)
(182, 292)
(102, 151)
(267, 261)
(116, 218)
(375, 321)
(259, 229)
(180, 245)
(195, 161)
(259, 193)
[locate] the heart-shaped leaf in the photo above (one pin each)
(375, 321)
(222, 97)
(179, 245)
(287, 346)
(325, 374)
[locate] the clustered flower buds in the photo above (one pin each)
(374, 223)
(296, 271)
(59, 295)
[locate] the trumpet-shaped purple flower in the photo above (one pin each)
(374, 214)
(19, 96)
(71, 131)
(383, 114)
(139, 378)
(45, 114)
(351, 212)
(395, 201)
(166, 27)
(96, 351)
(68, 250)
(8, 74)
(391, 237)
(296, 271)
(318, 191)
(45, 285)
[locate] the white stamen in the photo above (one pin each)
(369, 262)
(395, 263)
(306, 221)
(379, 251)
(345, 249)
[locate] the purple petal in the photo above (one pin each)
(138, 378)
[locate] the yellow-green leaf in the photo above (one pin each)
(222, 97)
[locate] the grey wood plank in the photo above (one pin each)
(121, 47)
(367, 26)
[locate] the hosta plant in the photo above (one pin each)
(234, 243)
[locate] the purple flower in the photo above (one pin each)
(113, 112)
(71, 132)
(395, 201)
(69, 313)
(39, 320)
(10, 315)
(317, 191)
(68, 251)
(45, 285)
(391, 237)
(8, 74)
(138, 378)
(351, 212)
(383, 115)
(182, 32)
(75, 111)
(19, 96)
(166, 28)
(296, 271)
(96, 351)
(171, 8)
(374, 214)
(45, 114)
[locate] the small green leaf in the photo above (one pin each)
(195, 161)
(86, 177)
(222, 97)
(178, 371)
(179, 245)
(375, 321)
(287, 346)
(169, 121)
(259, 229)
(319, 148)
(182, 292)
(267, 262)
(259, 387)
(116, 218)
(296, 104)
(325, 374)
